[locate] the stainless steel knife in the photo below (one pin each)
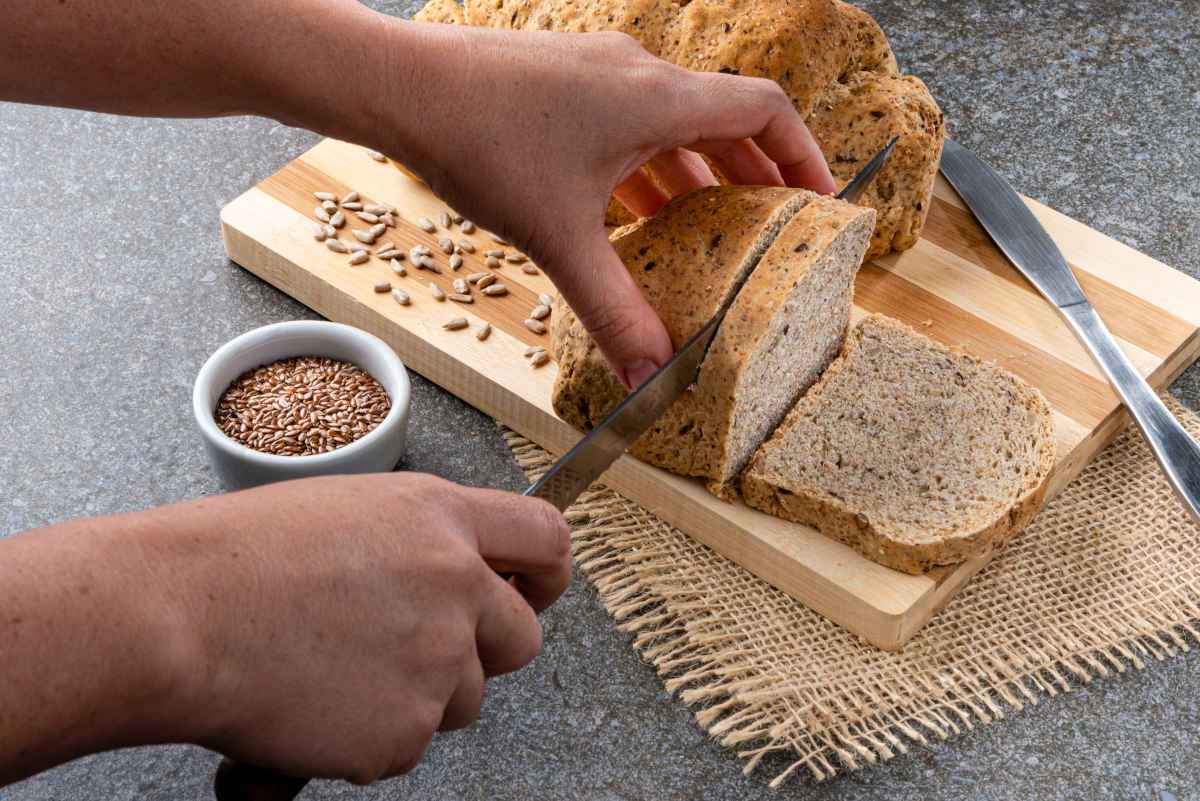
(565, 481)
(596, 452)
(1027, 245)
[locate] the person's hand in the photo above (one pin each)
(344, 620)
(530, 134)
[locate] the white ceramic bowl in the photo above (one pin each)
(239, 467)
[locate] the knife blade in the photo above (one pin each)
(591, 456)
(1028, 245)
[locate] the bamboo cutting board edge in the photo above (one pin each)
(882, 606)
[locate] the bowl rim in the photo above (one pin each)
(325, 328)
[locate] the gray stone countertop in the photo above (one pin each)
(115, 288)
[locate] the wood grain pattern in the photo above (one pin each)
(954, 286)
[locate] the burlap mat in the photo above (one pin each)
(1107, 577)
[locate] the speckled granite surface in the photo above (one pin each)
(115, 288)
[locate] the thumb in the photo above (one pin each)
(612, 309)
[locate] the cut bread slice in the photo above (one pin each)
(909, 452)
(786, 324)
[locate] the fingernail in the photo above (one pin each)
(638, 372)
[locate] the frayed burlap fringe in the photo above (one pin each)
(1107, 577)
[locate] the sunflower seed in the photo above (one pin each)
(455, 216)
(388, 219)
(378, 230)
(383, 286)
(487, 280)
(456, 324)
(401, 297)
(321, 214)
(360, 257)
(460, 298)
(539, 359)
(323, 196)
(350, 198)
(475, 278)
(515, 258)
(436, 291)
(529, 269)
(446, 245)
(532, 349)
(483, 332)
(367, 217)
(499, 240)
(461, 287)
(495, 290)
(359, 249)
(426, 225)
(352, 206)
(337, 220)
(330, 231)
(536, 326)
(319, 232)
(398, 268)
(465, 246)
(494, 254)
(422, 250)
(336, 246)
(467, 227)
(426, 263)
(330, 207)
(444, 219)
(375, 154)
(456, 262)
(388, 254)
(493, 262)
(375, 208)
(364, 235)
(540, 312)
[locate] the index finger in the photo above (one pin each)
(527, 538)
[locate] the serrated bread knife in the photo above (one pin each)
(562, 484)
(1029, 247)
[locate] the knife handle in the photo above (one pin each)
(1177, 452)
(237, 781)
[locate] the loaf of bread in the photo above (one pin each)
(801, 252)
(912, 454)
(831, 58)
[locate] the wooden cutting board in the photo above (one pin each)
(953, 286)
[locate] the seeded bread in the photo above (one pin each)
(909, 452)
(831, 59)
(785, 326)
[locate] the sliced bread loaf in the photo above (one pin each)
(785, 326)
(909, 452)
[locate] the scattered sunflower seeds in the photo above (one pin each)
(364, 235)
(398, 268)
(529, 269)
(367, 217)
(375, 154)
(540, 312)
(437, 292)
(352, 206)
(319, 232)
(461, 287)
(426, 225)
(337, 220)
(456, 324)
(465, 246)
(467, 227)
(493, 262)
(496, 290)
(444, 219)
(536, 326)
(487, 280)
(350, 198)
(359, 257)
(321, 214)
(336, 246)
(460, 298)
(483, 332)
(401, 297)
(475, 278)
(456, 262)
(545, 299)
(515, 258)
(323, 196)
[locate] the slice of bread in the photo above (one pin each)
(909, 452)
(786, 324)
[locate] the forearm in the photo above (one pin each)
(94, 644)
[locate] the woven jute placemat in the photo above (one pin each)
(1107, 577)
